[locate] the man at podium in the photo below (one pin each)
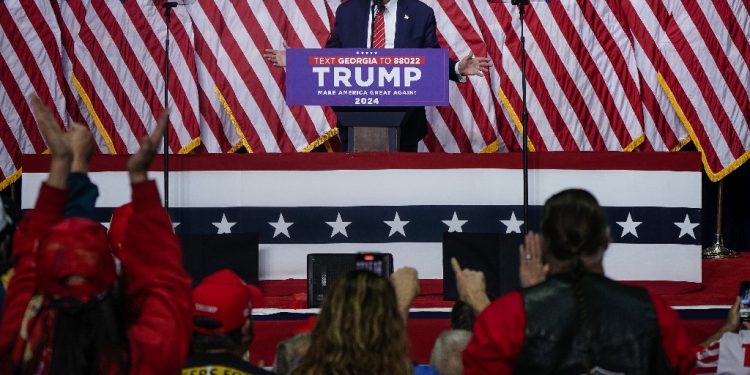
(392, 24)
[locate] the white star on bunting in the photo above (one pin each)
(454, 224)
(280, 227)
(397, 226)
(629, 226)
(224, 226)
(338, 226)
(686, 227)
(513, 225)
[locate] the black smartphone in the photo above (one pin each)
(372, 262)
(745, 301)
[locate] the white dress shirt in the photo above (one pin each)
(389, 16)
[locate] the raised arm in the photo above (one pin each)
(158, 289)
(48, 211)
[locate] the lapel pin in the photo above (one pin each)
(406, 16)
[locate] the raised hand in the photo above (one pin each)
(471, 287)
(277, 57)
(474, 66)
(57, 142)
(53, 135)
(82, 145)
(532, 269)
(406, 283)
(140, 161)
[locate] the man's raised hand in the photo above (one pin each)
(471, 287)
(57, 142)
(474, 66)
(140, 161)
(53, 135)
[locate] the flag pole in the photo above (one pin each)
(718, 250)
(167, 17)
(524, 116)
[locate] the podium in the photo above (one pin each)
(368, 88)
(352, 118)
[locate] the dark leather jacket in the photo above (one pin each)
(624, 330)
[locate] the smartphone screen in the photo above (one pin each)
(372, 262)
(745, 301)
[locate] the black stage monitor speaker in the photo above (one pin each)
(206, 254)
(494, 254)
(324, 269)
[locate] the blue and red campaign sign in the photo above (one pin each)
(367, 77)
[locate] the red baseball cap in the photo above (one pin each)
(75, 247)
(224, 297)
(118, 224)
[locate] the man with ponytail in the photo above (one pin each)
(576, 321)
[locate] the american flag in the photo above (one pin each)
(403, 203)
(603, 76)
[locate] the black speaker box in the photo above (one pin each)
(206, 254)
(495, 254)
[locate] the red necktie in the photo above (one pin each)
(378, 34)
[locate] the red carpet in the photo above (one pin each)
(702, 307)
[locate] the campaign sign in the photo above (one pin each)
(367, 77)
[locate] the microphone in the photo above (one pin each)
(379, 4)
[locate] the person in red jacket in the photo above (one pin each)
(576, 320)
(66, 311)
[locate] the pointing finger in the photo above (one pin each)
(456, 266)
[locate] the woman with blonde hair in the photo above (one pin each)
(361, 328)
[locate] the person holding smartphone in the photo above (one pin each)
(728, 350)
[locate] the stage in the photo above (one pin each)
(703, 307)
(403, 203)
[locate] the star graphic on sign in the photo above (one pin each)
(454, 224)
(339, 226)
(513, 225)
(224, 226)
(397, 226)
(686, 227)
(628, 226)
(280, 227)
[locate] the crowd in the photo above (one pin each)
(84, 301)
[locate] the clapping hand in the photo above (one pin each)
(140, 161)
(58, 143)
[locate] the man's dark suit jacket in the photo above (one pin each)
(415, 28)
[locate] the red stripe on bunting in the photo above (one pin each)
(322, 161)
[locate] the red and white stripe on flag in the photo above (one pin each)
(583, 93)
(117, 53)
(709, 80)
(230, 37)
(30, 63)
